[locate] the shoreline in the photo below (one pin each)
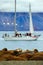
(20, 55)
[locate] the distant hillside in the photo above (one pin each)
(22, 21)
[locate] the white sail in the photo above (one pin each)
(31, 24)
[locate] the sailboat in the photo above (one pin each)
(18, 36)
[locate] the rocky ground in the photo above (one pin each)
(19, 55)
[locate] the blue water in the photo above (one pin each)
(11, 45)
(22, 21)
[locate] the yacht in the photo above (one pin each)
(18, 36)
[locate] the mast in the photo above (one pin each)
(31, 24)
(15, 18)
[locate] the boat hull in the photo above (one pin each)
(19, 38)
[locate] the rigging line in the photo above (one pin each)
(41, 18)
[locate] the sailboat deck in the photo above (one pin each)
(20, 38)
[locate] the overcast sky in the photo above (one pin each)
(21, 5)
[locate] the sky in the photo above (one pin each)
(21, 5)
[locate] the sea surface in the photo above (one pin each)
(31, 45)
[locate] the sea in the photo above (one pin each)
(12, 45)
(22, 21)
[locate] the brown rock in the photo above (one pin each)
(27, 56)
(37, 56)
